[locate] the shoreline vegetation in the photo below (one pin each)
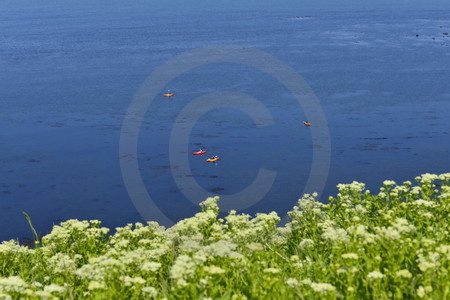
(394, 244)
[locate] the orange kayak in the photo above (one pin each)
(212, 159)
(168, 95)
(307, 123)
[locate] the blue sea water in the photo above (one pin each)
(68, 77)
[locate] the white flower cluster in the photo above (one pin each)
(375, 275)
(404, 274)
(350, 256)
(332, 232)
(355, 186)
(431, 261)
(208, 257)
(323, 288)
(12, 284)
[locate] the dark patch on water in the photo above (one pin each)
(33, 160)
(127, 157)
(217, 189)
(366, 147)
(203, 135)
(57, 124)
(394, 148)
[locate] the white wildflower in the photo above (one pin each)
(421, 202)
(388, 182)
(295, 258)
(323, 288)
(5, 296)
(428, 242)
(292, 282)
(422, 291)
(354, 186)
(61, 263)
(54, 288)
(13, 284)
(445, 176)
(430, 262)
(389, 233)
(151, 266)
(445, 250)
(149, 291)
(43, 294)
(183, 268)
(12, 246)
(350, 256)
(334, 234)
(426, 215)
(402, 225)
(306, 281)
(131, 281)
(220, 248)
(210, 204)
(96, 285)
(375, 275)
(255, 246)
(214, 270)
(416, 190)
(37, 285)
(272, 270)
(428, 178)
(306, 243)
(403, 273)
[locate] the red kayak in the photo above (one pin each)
(168, 95)
(199, 152)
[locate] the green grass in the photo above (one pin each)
(390, 245)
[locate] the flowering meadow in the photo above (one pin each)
(360, 245)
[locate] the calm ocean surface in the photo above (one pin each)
(67, 79)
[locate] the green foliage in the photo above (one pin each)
(390, 245)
